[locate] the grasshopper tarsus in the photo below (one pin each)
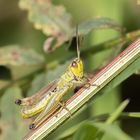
(95, 85)
(88, 85)
(32, 126)
(18, 102)
(85, 86)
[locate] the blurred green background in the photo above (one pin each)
(36, 68)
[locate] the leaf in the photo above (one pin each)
(88, 131)
(14, 55)
(3, 83)
(112, 130)
(56, 23)
(98, 23)
(85, 132)
(52, 20)
(113, 116)
(81, 126)
(11, 123)
(131, 114)
(86, 27)
(126, 39)
(69, 132)
(20, 61)
(117, 112)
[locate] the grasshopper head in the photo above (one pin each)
(76, 67)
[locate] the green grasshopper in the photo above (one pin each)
(50, 97)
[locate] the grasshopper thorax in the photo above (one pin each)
(76, 67)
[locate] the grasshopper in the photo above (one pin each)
(50, 97)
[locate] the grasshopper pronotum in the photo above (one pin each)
(49, 98)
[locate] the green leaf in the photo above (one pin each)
(113, 116)
(14, 55)
(89, 131)
(85, 132)
(112, 130)
(52, 20)
(68, 132)
(77, 129)
(4, 83)
(117, 112)
(131, 114)
(20, 61)
(11, 123)
(98, 23)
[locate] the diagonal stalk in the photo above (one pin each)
(113, 69)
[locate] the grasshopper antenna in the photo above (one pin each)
(77, 42)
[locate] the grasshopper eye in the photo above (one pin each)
(74, 64)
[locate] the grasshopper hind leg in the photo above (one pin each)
(32, 126)
(28, 101)
(63, 106)
(50, 107)
(43, 116)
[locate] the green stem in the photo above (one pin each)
(129, 37)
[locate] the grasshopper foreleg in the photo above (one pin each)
(87, 84)
(50, 107)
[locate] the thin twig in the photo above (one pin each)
(128, 37)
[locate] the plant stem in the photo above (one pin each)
(108, 73)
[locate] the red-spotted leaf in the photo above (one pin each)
(20, 61)
(52, 20)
